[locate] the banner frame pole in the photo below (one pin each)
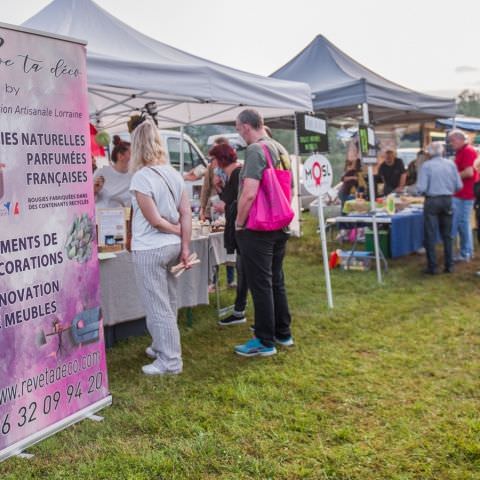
(36, 437)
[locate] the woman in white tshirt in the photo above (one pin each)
(111, 183)
(161, 231)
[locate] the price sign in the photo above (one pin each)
(317, 174)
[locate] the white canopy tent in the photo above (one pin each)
(127, 70)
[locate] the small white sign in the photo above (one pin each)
(317, 174)
(314, 124)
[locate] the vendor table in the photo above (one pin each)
(406, 229)
(217, 253)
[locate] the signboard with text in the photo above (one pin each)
(53, 368)
(367, 144)
(311, 133)
(317, 174)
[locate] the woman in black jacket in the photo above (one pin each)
(226, 158)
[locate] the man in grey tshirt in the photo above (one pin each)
(438, 180)
(262, 251)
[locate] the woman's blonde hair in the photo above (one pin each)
(147, 147)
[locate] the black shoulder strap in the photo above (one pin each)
(167, 184)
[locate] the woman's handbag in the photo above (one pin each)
(271, 208)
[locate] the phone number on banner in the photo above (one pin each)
(29, 413)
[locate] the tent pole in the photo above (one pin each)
(296, 151)
(373, 208)
(182, 158)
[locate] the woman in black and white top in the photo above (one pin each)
(161, 231)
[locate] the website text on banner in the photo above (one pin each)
(51, 337)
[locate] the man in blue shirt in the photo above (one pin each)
(438, 180)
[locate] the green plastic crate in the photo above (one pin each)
(383, 239)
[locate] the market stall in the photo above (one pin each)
(343, 88)
(129, 72)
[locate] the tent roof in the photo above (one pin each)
(340, 84)
(127, 69)
(471, 124)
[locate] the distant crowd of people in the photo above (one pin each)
(451, 191)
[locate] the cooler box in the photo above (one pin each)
(383, 240)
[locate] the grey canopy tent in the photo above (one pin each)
(127, 69)
(340, 84)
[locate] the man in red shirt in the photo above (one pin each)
(463, 200)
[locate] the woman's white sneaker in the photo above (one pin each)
(152, 369)
(151, 353)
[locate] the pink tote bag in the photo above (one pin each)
(271, 208)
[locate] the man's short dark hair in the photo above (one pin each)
(251, 117)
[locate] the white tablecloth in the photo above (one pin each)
(119, 294)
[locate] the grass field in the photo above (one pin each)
(385, 386)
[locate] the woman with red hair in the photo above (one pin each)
(226, 159)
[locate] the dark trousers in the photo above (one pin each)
(262, 259)
(438, 213)
(242, 286)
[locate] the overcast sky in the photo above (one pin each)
(422, 44)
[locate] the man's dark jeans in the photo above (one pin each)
(438, 212)
(262, 259)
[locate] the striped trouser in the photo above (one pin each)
(158, 292)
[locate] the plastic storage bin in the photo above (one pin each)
(355, 261)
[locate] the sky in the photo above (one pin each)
(427, 45)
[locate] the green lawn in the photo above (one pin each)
(385, 386)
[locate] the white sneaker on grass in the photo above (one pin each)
(151, 353)
(152, 369)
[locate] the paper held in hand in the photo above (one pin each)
(178, 269)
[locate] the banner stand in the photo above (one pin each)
(53, 371)
(19, 447)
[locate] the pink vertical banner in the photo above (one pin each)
(53, 369)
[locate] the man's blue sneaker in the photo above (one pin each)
(253, 348)
(284, 342)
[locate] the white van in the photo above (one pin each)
(192, 155)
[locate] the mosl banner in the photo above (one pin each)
(53, 369)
